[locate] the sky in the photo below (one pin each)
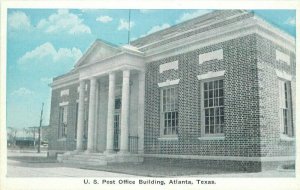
(45, 43)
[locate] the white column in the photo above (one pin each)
(80, 119)
(125, 113)
(91, 119)
(141, 110)
(110, 114)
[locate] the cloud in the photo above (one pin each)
(190, 15)
(46, 80)
(18, 20)
(158, 27)
(104, 19)
(22, 92)
(47, 54)
(291, 21)
(63, 22)
(124, 25)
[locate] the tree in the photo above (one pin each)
(12, 135)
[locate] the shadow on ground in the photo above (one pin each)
(152, 170)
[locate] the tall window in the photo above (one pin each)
(213, 107)
(63, 121)
(169, 107)
(285, 107)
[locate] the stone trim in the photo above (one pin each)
(286, 138)
(283, 75)
(168, 66)
(233, 158)
(209, 75)
(217, 54)
(205, 138)
(280, 56)
(85, 99)
(168, 138)
(64, 92)
(168, 83)
(62, 84)
(64, 81)
(62, 139)
(63, 103)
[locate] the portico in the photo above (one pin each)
(121, 78)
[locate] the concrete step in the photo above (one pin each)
(88, 159)
(82, 158)
(86, 156)
(85, 162)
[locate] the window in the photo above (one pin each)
(63, 121)
(117, 103)
(213, 107)
(169, 113)
(285, 115)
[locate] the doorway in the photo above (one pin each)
(117, 125)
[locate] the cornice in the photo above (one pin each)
(65, 81)
(221, 34)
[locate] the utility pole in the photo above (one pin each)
(41, 119)
(129, 13)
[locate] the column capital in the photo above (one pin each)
(126, 73)
(81, 81)
(112, 75)
(93, 78)
(111, 72)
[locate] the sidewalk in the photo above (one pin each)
(32, 164)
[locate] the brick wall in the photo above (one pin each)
(271, 144)
(69, 142)
(242, 132)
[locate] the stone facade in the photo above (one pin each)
(247, 63)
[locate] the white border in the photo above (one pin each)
(76, 183)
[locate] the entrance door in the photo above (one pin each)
(117, 124)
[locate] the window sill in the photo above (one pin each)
(62, 139)
(168, 138)
(221, 138)
(286, 138)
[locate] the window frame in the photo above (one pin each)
(162, 117)
(202, 111)
(63, 126)
(288, 130)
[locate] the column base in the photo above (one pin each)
(78, 150)
(109, 152)
(123, 152)
(89, 151)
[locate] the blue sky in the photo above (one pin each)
(44, 43)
